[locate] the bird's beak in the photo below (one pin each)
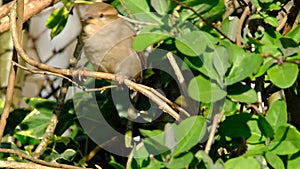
(89, 19)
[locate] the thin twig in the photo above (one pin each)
(38, 161)
(101, 89)
(216, 120)
(172, 104)
(13, 70)
(49, 73)
(136, 21)
(161, 103)
(179, 76)
(240, 26)
(203, 19)
(22, 165)
(282, 23)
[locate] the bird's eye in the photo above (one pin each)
(101, 15)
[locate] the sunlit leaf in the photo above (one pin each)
(277, 114)
(283, 75)
(286, 140)
(274, 160)
(242, 163)
(194, 43)
(242, 93)
(203, 89)
(149, 36)
(188, 133)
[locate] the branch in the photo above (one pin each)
(216, 120)
(240, 26)
(38, 161)
(13, 70)
(52, 74)
(98, 75)
(179, 76)
(161, 104)
(22, 165)
(31, 8)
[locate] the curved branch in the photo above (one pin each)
(98, 75)
(240, 26)
(31, 8)
(22, 165)
(13, 70)
(38, 161)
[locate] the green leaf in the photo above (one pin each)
(229, 27)
(274, 160)
(265, 1)
(154, 146)
(294, 34)
(202, 89)
(286, 140)
(244, 63)
(180, 162)
(255, 149)
(115, 164)
(148, 17)
(36, 122)
(57, 21)
(277, 114)
(15, 118)
(213, 63)
(161, 6)
(284, 75)
(149, 36)
(194, 43)
(256, 132)
(216, 13)
(294, 161)
(271, 20)
(268, 62)
(242, 93)
(242, 163)
(151, 133)
(265, 127)
(200, 6)
(140, 154)
(270, 42)
(137, 6)
(202, 156)
(219, 164)
(288, 46)
(236, 126)
(188, 133)
(68, 155)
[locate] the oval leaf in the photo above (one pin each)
(242, 93)
(149, 36)
(286, 140)
(244, 63)
(284, 75)
(194, 43)
(188, 133)
(242, 163)
(277, 114)
(202, 89)
(161, 6)
(274, 160)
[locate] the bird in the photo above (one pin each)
(108, 41)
